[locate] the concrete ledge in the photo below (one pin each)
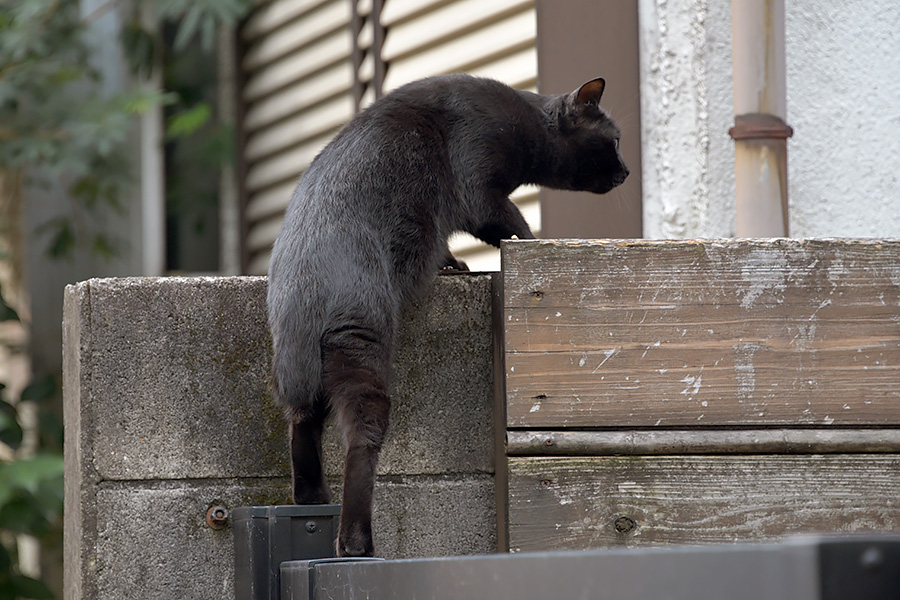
(168, 412)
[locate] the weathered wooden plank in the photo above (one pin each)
(575, 503)
(701, 441)
(702, 333)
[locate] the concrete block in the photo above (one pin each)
(179, 372)
(418, 517)
(155, 543)
(168, 411)
(175, 379)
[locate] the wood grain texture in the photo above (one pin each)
(575, 503)
(702, 333)
(701, 441)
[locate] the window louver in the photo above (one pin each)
(308, 65)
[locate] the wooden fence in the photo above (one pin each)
(699, 391)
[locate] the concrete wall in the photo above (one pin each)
(842, 102)
(842, 90)
(168, 413)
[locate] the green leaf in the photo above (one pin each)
(7, 409)
(104, 246)
(140, 48)
(43, 388)
(32, 589)
(6, 311)
(27, 474)
(5, 559)
(62, 238)
(188, 121)
(10, 430)
(50, 426)
(187, 28)
(23, 515)
(7, 493)
(49, 497)
(142, 101)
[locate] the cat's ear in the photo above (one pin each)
(590, 92)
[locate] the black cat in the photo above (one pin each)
(367, 229)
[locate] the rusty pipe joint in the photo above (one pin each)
(760, 107)
(760, 156)
(760, 126)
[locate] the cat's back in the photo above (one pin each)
(396, 135)
(389, 148)
(420, 117)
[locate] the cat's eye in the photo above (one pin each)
(617, 143)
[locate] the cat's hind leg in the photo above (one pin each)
(355, 381)
(306, 426)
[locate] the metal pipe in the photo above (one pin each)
(760, 108)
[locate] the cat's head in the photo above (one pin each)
(590, 140)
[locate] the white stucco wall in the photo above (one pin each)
(843, 81)
(843, 102)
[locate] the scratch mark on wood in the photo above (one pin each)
(693, 384)
(609, 354)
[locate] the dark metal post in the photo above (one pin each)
(266, 536)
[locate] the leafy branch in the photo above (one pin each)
(59, 127)
(31, 486)
(55, 120)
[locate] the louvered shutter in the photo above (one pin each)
(298, 92)
(308, 64)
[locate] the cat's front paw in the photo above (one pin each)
(453, 265)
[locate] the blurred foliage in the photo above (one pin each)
(61, 126)
(197, 143)
(6, 311)
(57, 121)
(31, 485)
